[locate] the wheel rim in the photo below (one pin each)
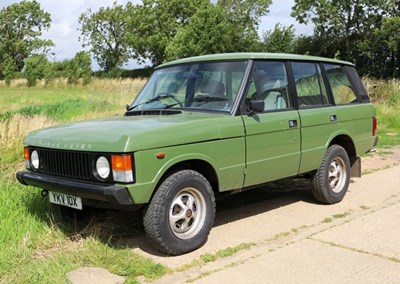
(187, 213)
(337, 175)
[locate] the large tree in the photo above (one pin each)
(21, 25)
(208, 32)
(345, 21)
(228, 26)
(280, 39)
(244, 17)
(154, 23)
(104, 32)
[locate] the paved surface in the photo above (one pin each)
(297, 240)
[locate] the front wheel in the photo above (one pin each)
(181, 213)
(332, 179)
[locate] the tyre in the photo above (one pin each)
(181, 213)
(331, 180)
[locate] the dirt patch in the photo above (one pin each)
(381, 159)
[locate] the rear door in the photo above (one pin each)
(272, 136)
(317, 114)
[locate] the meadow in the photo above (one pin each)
(35, 246)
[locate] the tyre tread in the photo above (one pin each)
(319, 190)
(152, 222)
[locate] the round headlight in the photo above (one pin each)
(103, 167)
(35, 159)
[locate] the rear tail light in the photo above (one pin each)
(374, 126)
(122, 168)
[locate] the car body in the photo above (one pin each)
(205, 125)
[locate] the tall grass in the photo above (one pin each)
(34, 246)
(386, 97)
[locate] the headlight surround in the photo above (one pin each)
(103, 168)
(35, 159)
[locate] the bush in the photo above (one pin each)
(36, 67)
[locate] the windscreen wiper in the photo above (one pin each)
(155, 99)
(206, 99)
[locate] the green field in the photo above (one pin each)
(35, 246)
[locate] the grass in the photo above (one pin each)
(386, 97)
(211, 257)
(34, 245)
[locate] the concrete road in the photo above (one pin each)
(294, 239)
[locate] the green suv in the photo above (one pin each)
(205, 125)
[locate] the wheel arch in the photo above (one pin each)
(201, 166)
(347, 143)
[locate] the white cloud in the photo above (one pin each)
(280, 13)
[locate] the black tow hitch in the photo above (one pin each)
(44, 192)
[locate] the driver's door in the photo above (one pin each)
(272, 136)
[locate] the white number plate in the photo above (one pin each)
(65, 200)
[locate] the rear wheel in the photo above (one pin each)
(181, 213)
(331, 181)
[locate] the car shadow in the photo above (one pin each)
(123, 229)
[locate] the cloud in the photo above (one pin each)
(280, 13)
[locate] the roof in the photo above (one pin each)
(250, 55)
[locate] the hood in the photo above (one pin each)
(132, 133)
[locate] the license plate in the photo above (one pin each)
(65, 200)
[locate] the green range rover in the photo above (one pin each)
(205, 125)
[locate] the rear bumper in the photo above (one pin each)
(105, 193)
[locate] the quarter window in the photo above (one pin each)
(340, 84)
(310, 87)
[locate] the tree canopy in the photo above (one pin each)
(104, 32)
(365, 32)
(357, 31)
(21, 25)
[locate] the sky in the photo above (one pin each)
(65, 13)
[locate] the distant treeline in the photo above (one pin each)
(365, 32)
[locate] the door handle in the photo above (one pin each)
(332, 118)
(292, 123)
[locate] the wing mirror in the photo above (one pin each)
(257, 105)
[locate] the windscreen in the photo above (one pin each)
(211, 86)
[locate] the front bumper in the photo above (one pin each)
(105, 193)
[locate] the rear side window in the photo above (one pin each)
(340, 84)
(310, 88)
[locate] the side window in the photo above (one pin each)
(310, 87)
(269, 83)
(340, 84)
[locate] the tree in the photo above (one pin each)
(358, 31)
(104, 32)
(280, 39)
(79, 68)
(346, 21)
(21, 25)
(208, 32)
(155, 23)
(244, 17)
(215, 29)
(8, 69)
(36, 67)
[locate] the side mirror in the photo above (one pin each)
(257, 105)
